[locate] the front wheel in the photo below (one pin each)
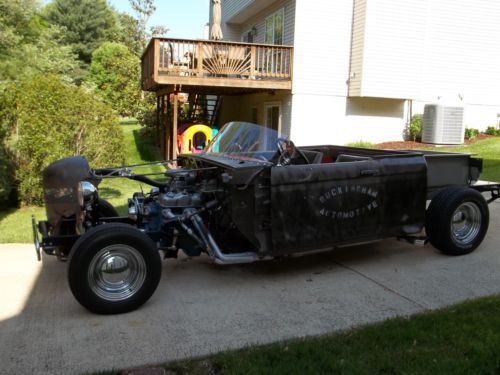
(105, 209)
(457, 220)
(113, 269)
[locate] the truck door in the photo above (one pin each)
(322, 205)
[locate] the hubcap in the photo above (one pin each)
(116, 272)
(466, 223)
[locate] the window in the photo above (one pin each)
(255, 115)
(274, 28)
(248, 36)
(273, 116)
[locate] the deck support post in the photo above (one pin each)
(174, 123)
(168, 129)
(162, 125)
(158, 121)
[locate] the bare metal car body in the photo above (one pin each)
(252, 196)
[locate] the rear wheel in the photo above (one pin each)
(113, 269)
(457, 220)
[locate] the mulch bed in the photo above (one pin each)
(399, 145)
(403, 145)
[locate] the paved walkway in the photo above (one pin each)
(201, 308)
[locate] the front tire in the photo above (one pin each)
(457, 220)
(105, 209)
(113, 269)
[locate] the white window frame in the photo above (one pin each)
(282, 11)
(256, 110)
(268, 105)
(249, 31)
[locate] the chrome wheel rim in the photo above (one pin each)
(116, 272)
(466, 223)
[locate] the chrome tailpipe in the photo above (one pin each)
(237, 258)
(214, 250)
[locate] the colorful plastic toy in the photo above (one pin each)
(192, 138)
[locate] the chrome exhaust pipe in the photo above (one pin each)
(237, 258)
(214, 250)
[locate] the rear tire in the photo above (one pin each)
(457, 220)
(113, 268)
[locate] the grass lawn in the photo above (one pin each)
(15, 224)
(461, 339)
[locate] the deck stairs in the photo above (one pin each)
(205, 108)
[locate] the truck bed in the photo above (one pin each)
(443, 168)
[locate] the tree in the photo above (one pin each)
(130, 34)
(51, 119)
(158, 31)
(15, 23)
(87, 24)
(6, 167)
(116, 73)
(144, 9)
(30, 45)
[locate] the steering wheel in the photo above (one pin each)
(289, 153)
(235, 147)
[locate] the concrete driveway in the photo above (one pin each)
(201, 308)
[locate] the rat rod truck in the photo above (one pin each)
(250, 196)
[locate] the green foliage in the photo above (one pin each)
(361, 144)
(414, 129)
(147, 115)
(87, 24)
(158, 31)
(144, 9)
(130, 34)
(16, 23)
(6, 169)
(49, 120)
(491, 130)
(471, 133)
(28, 45)
(15, 224)
(116, 73)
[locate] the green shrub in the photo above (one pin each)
(116, 73)
(50, 120)
(491, 130)
(6, 171)
(361, 144)
(414, 129)
(471, 133)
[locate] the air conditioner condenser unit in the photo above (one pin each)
(443, 124)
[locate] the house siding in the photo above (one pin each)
(358, 63)
(393, 48)
(430, 51)
(232, 7)
(321, 47)
(462, 52)
(259, 21)
(357, 46)
(230, 32)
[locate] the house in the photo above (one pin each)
(325, 71)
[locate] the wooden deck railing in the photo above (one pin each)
(215, 63)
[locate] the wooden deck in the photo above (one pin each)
(202, 63)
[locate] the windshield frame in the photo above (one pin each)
(245, 141)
